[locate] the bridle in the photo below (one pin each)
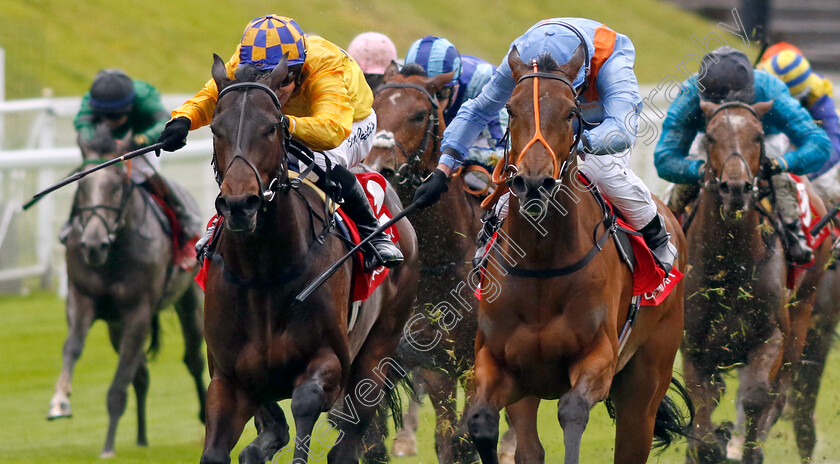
(405, 172)
(714, 180)
(96, 210)
(276, 182)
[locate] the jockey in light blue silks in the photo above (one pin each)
(611, 99)
(727, 75)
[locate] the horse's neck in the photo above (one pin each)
(564, 234)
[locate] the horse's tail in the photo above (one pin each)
(154, 344)
(671, 422)
(393, 402)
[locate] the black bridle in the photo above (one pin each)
(276, 183)
(713, 179)
(112, 227)
(406, 172)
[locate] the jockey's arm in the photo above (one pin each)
(618, 92)
(150, 113)
(474, 116)
(682, 122)
(330, 109)
(791, 118)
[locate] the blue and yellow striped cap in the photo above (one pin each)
(267, 38)
(436, 55)
(793, 69)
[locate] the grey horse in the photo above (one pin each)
(120, 269)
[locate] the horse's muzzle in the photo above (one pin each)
(239, 211)
(95, 252)
(532, 187)
(736, 196)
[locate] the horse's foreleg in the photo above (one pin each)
(758, 378)
(228, 410)
(523, 418)
(272, 435)
(141, 388)
(80, 316)
(442, 392)
(705, 444)
(495, 389)
(131, 338)
(590, 378)
(190, 317)
(315, 393)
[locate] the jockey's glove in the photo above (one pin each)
(770, 167)
(174, 135)
(429, 192)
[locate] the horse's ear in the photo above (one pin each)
(572, 67)
(277, 75)
(435, 84)
(762, 108)
(708, 108)
(517, 66)
(219, 72)
(392, 70)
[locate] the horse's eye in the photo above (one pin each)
(420, 116)
(271, 130)
(571, 115)
(759, 138)
(710, 140)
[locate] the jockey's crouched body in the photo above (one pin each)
(327, 104)
(611, 99)
(132, 107)
(727, 75)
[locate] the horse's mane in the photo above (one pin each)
(413, 69)
(249, 73)
(546, 62)
(102, 142)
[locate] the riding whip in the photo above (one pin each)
(37, 197)
(334, 267)
(825, 220)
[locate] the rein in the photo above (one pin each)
(405, 172)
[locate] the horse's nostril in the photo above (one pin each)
(519, 188)
(724, 187)
(548, 184)
(251, 205)
(222, 206)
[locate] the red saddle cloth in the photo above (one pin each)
(364, 283)
(808, 216)
(183, 254)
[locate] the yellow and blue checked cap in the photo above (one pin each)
(267, 38)
(793, 69)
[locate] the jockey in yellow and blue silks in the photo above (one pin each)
(727, 75)
(437, 56)
(611, 99)
(326, 102)
(813, 91)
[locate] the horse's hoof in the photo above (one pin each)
(405, 444)
(108, 455)
(59, 411)
(507, 450)
(143, 443)
(506, 457)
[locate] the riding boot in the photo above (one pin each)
(658, 240)
(490, 224)
(201, 246)
(798, 251)
(382, 251)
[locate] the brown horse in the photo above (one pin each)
(736, 313)
(552, 328)
(262, 345)
(410, 125)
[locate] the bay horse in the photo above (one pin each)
(410, 125)
(552, 330)
(262, 345)
(120, 270)
(737, 311)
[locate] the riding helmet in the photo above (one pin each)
(794, 70)
(726, 74)
(436, 55)
(373, 52)
(112, 92)
(267, 38)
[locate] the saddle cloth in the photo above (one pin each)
(808, 216)
(183, 254)
(364, 283)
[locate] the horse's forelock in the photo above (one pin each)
(413, 69)
(102, 142)
(547, 63)
(249, 73)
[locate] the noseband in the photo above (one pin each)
(404, 171)
(716, 179)
(95, 210)
(275, 183)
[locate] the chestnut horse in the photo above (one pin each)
(736, 311)
(263, 346)
(410, 125)
(552, 330)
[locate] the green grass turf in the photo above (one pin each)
(61, 44)
(33, 332)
